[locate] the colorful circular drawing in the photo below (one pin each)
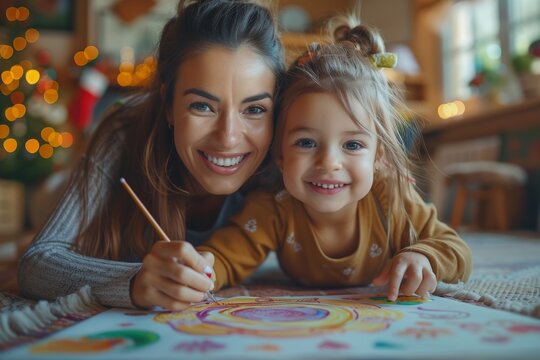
(280, 317)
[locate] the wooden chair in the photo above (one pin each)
(491, 186)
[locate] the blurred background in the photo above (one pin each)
(469, 70)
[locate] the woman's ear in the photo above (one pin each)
(168, 115)
(279, 163)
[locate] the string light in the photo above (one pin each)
(4, 131)
(46, 151)
(452, 109)
(32, 146)
(31, 35)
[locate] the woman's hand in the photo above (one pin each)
(172, 276)
(407, 273)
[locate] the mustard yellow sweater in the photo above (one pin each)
(278, 222)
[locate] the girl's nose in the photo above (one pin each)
(329, 160)
(229, 130)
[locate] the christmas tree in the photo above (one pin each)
(33, 136)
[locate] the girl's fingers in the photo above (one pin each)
(412, 282)
(182, 294)
(396, 277)
(428, 285)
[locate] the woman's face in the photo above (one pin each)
(222, 117)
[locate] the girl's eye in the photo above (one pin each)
(201, 107)
(305, 143)
(353, 146)
(255, 110)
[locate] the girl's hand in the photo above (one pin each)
(412, 267)
(172, 276)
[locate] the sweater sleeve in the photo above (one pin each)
(448, 254)
(50, 268)
(241, 246)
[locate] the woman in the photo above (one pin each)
(187, 146)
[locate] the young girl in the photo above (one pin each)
(186, 145)
(349, 215)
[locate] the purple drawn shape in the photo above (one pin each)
(333, 345)
(524, 328)
(496, 339)
(281, 314)
(427, 313)
(198, 346)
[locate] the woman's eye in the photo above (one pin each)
(201, 107)
(353, 145)
(305, 143)
(255, 110)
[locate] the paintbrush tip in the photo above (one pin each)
(122, 180)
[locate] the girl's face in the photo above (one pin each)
(327, 159)
(222, 117)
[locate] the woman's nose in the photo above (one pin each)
(229, 130)
(329, 160)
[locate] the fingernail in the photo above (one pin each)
(207, 270)
(426, 296)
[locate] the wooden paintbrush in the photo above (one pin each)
(157, 228)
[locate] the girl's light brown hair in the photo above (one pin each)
(344, 67)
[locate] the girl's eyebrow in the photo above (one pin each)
(209, 96)
(349, 133)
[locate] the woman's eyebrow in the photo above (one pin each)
(257, 97)
(201, 93)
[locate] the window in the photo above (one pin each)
(484, 35)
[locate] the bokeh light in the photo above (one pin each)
(32, 76)
(10, 145)
(46, 151)
(32, 146)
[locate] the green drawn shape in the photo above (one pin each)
(384, 299)
(140, 338)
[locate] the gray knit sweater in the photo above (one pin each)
(50, 268)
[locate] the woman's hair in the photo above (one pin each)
(347, 67)
(148, 159)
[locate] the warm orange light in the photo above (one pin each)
(80, 59)
(17, 71)
(4, 131)
(23, 14)
(10, 115)
(32, 76)
(10, 145)
(67, 139)
(21, 110)
(50, 96)
(6, 51)
(124, 79)
(12, 13)
(126, 67)
(13, 85)
(91, 52)
(32, 146)
(19, 43)
(46, 132)
(4, 89)
(7, 77)
(46, 151)
(31, 35)
(55, 139)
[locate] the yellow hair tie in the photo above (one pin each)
(384, 60)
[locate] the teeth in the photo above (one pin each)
(224, 162)
(328, 186)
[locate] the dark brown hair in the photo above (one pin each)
(112, 227)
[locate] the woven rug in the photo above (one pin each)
(506, 273)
